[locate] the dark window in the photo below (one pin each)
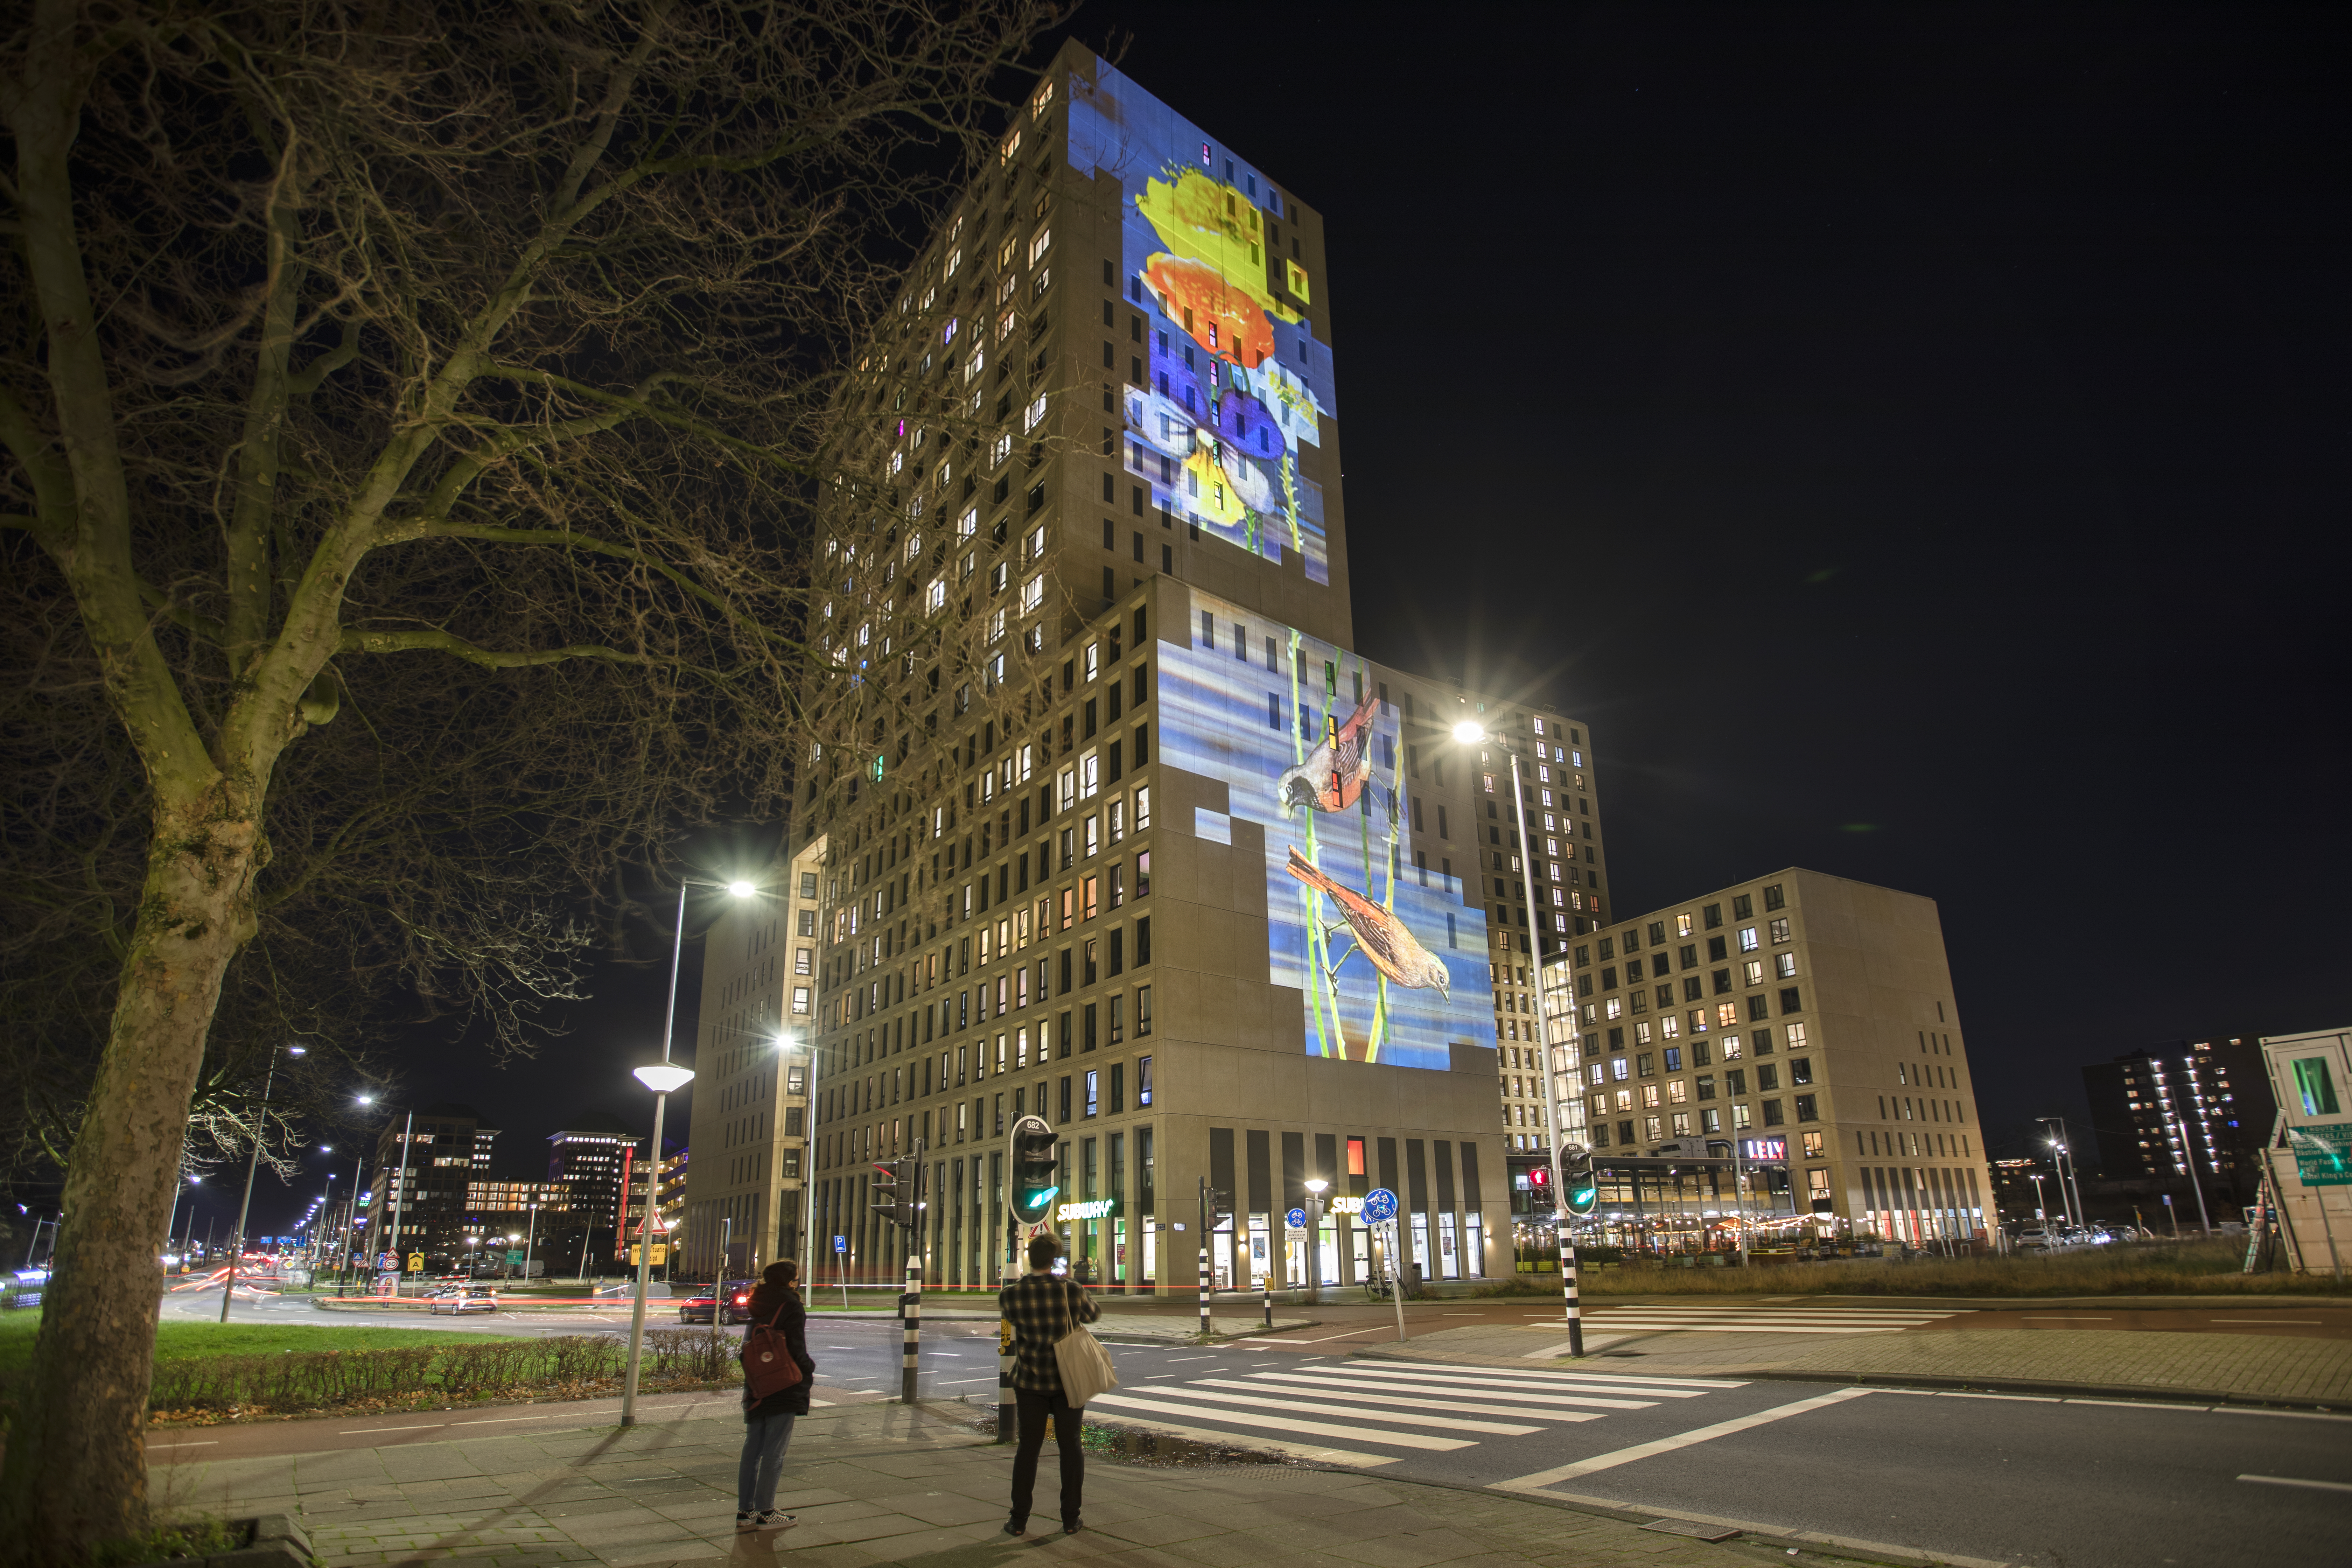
(1143, 926)
(1759, 1006)
(1644, 1065)
(1808, 1109)
(1790, 1000)
(1734, 1081)
(1767, 1077)
(1742, 907)
(1759, 1043)
(1688, 954)
(1716, 952)
(1772, 900)
(1773, 1114)
(1087, 1039)
(1712, 916)
(1722, 978)
(1692, 990)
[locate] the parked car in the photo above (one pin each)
(702, 1301)
(462, 1299)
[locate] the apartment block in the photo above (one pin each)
(742, 1202)
(1118, 830)
(425, 1162)
(2201, 1106)
(1809, 1018)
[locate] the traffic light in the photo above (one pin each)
(1540, 1193)
(898, 1188)
(1216, 1208)
(1582, 1185)
(1036, 1174)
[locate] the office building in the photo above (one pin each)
(423, 1199)
(1118, 830)
(2194, 1108)
(584, 1160)
(1810, 1020)
(742, 1201)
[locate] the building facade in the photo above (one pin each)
(1119, 832)
(585, 1162)
(2310, 1157)
(1810, 1020)
(421, 1204)
(742, 1202)
(2195, 1109)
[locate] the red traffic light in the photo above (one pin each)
(1539, 1177)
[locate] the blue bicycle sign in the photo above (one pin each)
(1296, 1219)
(1379, 1205)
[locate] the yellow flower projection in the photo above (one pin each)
(1205, 221)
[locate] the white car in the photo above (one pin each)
(462, 1300)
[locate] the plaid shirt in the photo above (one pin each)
(1041, 1309)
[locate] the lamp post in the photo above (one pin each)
(1316, 1186)
(664, 1079)
(2069, 1179)
(1472, 734)
(252, 1165)
(174, 1218)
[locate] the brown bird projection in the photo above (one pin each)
(1334, 773)
(1391, 947)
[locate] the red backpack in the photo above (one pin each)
(768, 1364)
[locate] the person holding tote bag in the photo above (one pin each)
(1045, 1311)
(770, 1403)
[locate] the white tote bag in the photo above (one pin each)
(1079, 1357)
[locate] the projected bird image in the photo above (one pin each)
(1378, 933)
(1333, 776)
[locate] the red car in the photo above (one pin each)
(698, 1306)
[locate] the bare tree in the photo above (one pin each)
(414, 413)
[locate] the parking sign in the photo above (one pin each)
(841, 1244)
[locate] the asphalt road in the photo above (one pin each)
(2047, 1482)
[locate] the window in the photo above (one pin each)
(1801, 1069)
(804, 961)
(2315, 1087)
(1796, 1037)
(1773, 899)
(1748, 939)
(1752, 972)
(1814, 1149)
(1774, 1116)
(801, 999)
(1143, 1076)
(1807, 1109)
(1094, 1104)
(1033, 594)
(1034, 415)
(1142, 1001)
(1742, 907)
(1780, 929)
(1791, 1002)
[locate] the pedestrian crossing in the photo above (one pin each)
(1749, 1318)
(1425, 1407)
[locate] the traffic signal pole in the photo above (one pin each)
(1563, 1230)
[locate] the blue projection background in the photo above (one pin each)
(1392, 965)
(1233, 381)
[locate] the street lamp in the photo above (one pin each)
(1470, 733)
(664, 1080)
(252, 1164)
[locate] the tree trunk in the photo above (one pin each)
(76, 1472)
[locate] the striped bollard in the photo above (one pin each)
(1567, 1262)
(910, 1351)
(1205, 1328)
(1266, 1299)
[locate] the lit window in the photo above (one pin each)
(1785, 965)
(1748, 939)
(1032, 416)
(1039, 246)
(1780, 929)
(1754, 971)
(1033, 594)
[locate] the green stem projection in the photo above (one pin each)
(1316, 946)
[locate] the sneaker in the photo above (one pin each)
(746, 1522)
(777, 1519)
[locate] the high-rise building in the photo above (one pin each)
(1811, 1019)
(445, 1145)
(742, 1200)
(2205, 1104)
(584, 1160)
(1119, 831)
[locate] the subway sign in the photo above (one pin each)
(1344, 1202)
(1089, 1208)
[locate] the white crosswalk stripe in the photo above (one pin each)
(1743, 1318)
(1419, 1406)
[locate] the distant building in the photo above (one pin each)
(1799, 1011)
(584, 1162)
(421, 1203)
(2206, 1104)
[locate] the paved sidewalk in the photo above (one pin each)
(881, 1484)
(2281, 1369)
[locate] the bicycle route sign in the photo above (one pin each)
(1379, 1205)
(1296, 1219)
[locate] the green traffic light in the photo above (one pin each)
(1035, 1203)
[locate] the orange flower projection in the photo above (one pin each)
(1222, 320)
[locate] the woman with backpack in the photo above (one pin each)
(776, 1312)
(1041, 1308)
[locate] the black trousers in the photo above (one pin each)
(1034, 1408)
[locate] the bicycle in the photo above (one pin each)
(1376, 1287)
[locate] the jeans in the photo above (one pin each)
(1034, 1409)
(765, 1439)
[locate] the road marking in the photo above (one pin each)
(1543, 1479)
(422, 1427)
(208, 1443)
(2298, 1481)
(2289, 1415)
(501, 1420)
(1558, 1381)
(2141, 1404)
(1379, 1401)
(1312, 1428)
(2065, 1318)
(1174, 1359)
(1487, 1391)
(1296, 1450)
(2020, 1398)
(953, 1382)
(2305, 1322)
(1443, 1423)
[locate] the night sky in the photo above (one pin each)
(1909, 436)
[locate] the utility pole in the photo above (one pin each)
(252, 1165)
